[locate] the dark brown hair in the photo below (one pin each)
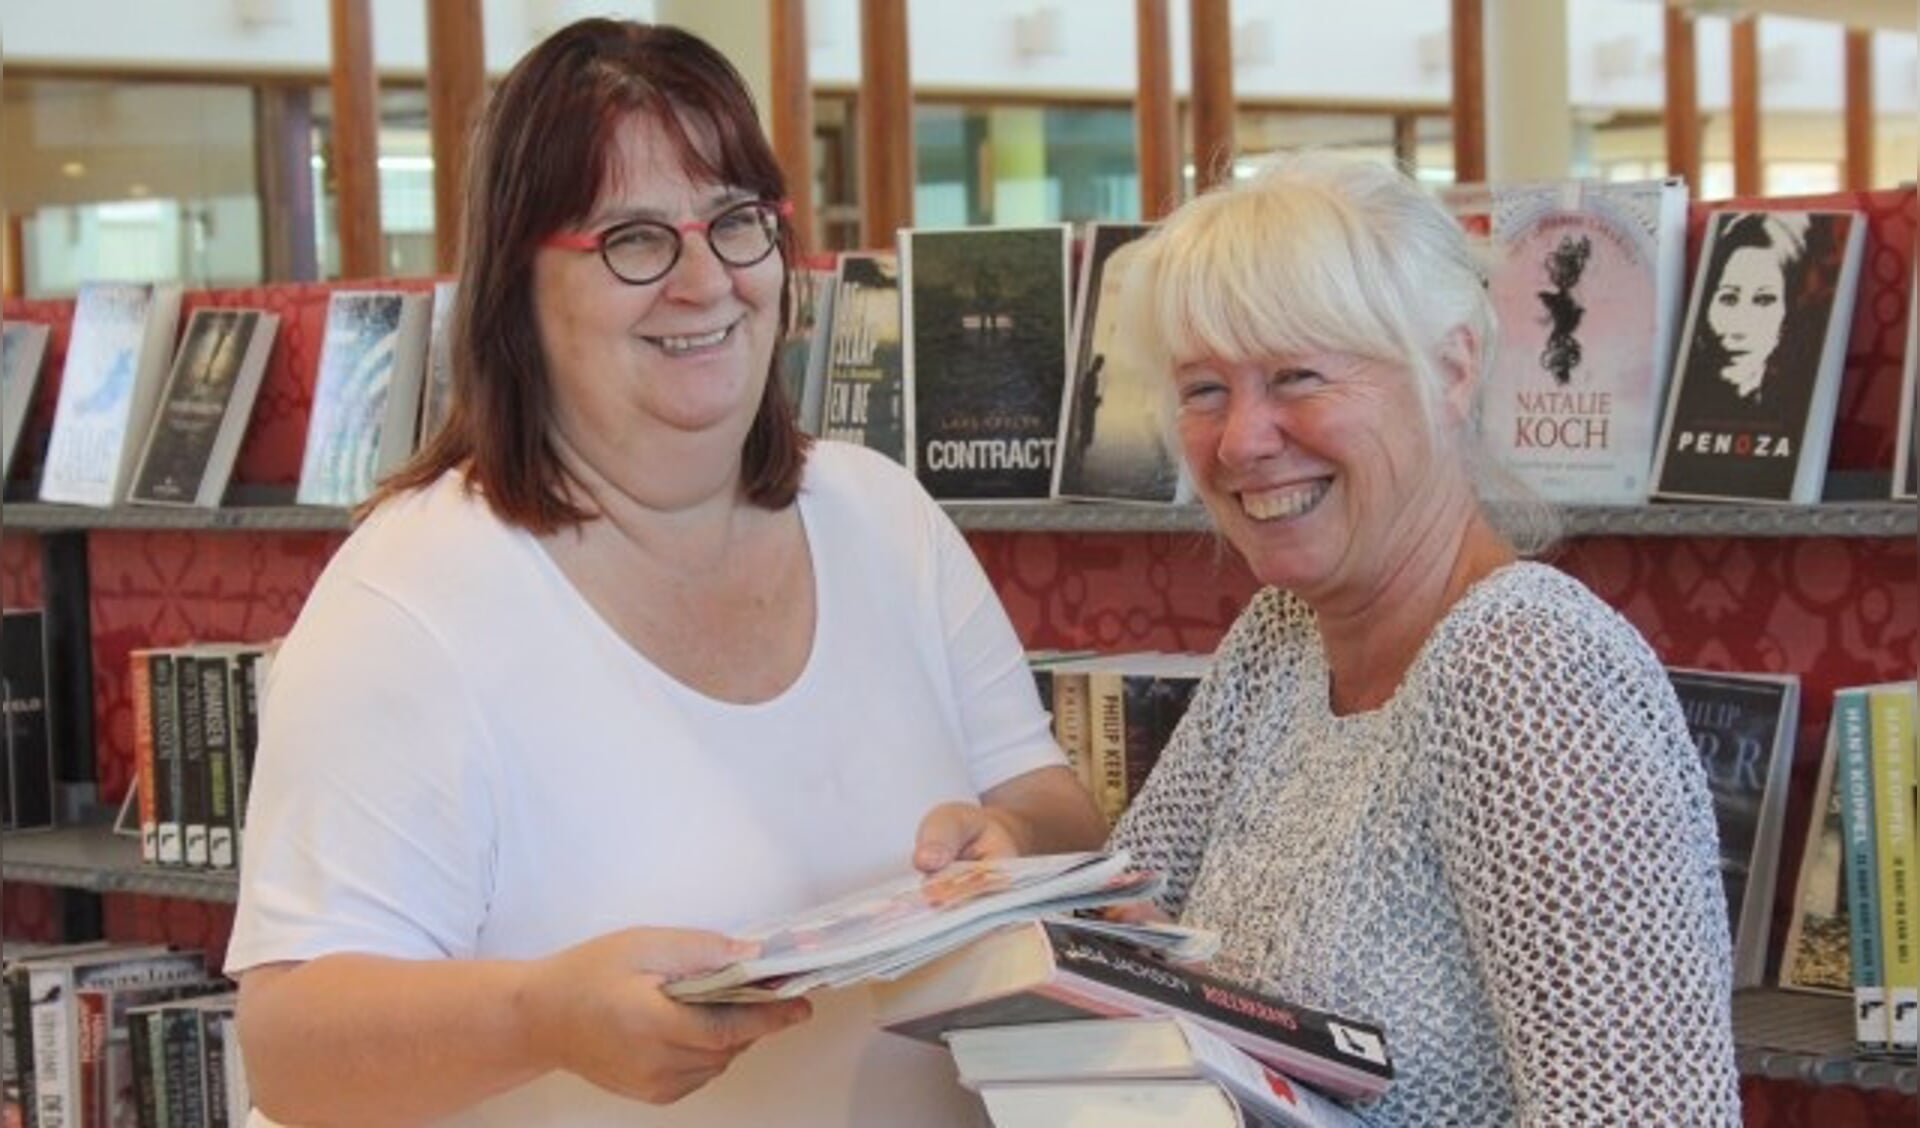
(539, 164)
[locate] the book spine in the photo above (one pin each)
(1340, 1054)
(1892, 720)
(179, 1038)
(166, 760)
(244, 703)
(214, 1074)
(20, 1013)
(1070, 722)
(1107, 739)
(1143, 738)
(146, 1097)
(53, 1050)
(1850, 720)
(216, 726)
(90, 1010)
(193, 761)
(140, 688)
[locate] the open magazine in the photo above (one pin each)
(887, 929)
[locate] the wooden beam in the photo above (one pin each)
(1156, 120)
(283, 162)
(1857, 171)
(886, 123)
(1683, 98)
(356, 141)
(1211, 25)
(1469, 92)
(792, 111)
(13, 266)
(1748, 179)
(456, 89)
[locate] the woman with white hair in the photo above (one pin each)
(1426, 782)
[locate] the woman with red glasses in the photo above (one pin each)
(619, 663)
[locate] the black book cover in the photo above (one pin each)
(865, 398)
(201, 390)
(192, 796)
(165, 701)
(986, 358)
(26, 768)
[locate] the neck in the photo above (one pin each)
(1373, 638)
(680, 511)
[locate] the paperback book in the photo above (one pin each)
(1193, 1103)
(802, 361)
(23, 348)
(437, 391)
(367, 395)
(1586, 280)
(1050, 971)
(884, 929)
(984, 316)
(188, 455)
(1817, 956)
(1752, 409)
(1113, 435)
(1906, 472)
(116, 361)
(1743, 726)
(26, 734)
(864, 400)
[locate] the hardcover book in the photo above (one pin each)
(116, 361)
(1743, 726)
(1586, 281)
(26, 738)
(1052, 971)
(1201, 1103)
(188, 454)
(984, 313)
(367, 395)
(864, 401)
(1751, 413)
(23, 348)
(1113, 420)
(1159, 1048)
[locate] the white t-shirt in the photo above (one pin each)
(460, 758)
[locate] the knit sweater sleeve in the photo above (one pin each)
(1575, 828)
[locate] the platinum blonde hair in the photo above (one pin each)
(1318, 252)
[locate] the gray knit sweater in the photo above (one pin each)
(1511, 865)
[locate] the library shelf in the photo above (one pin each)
(94, 859)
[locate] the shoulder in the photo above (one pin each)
(406, 549)
(859, 493)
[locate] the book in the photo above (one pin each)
(1123, 1104)
(367, 395)
(1743, 727)
(26, 730)
(1816, 956)
(1751, 414)
(188, 454)
(1586, 281)
(802, 359)
(1050, 972)
(436, 390)
(864, 398)
(1853, 774)
(116, 360)
(52, 986)
(983, 314)
(23, 350)
(1891, 715)
(898, 923)
(1162, 1047)
(1114, 416)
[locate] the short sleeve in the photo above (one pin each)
(369, 823)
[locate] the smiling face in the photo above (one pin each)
(1745, 312)
(1320, 469)
(641, 370)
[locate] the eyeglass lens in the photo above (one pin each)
(644, 251)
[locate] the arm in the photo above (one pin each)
(1575, 829)
(361, 1040)
(1045, 811)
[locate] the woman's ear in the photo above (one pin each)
(1460, 357)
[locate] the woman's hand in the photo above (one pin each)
(597, 1010)
(954, 832)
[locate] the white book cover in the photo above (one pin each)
(23, 350)
(116, 361)
(366, 398)
(1906, 476)
(1758, 376)
(1585, 280)
(437, 390)
(187, 458)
